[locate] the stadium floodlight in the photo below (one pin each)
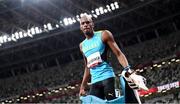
(116, 5)
(57, 26)
(17, 99)
(29, 33)
(92, 12)
(5, 39)
(74, 20)
(72, 87)
(40, 94)
(172, 60)
(49, 26)
(33, 96)
(108, 8)
(70, 21)
(154, 65)
(25, 34)
(53, 90)
(95, 16)
(40, 30)
(37, 30)
(16, 35)
(21, 97)
(101, 10)
(112, 6)
(97, 11)
(9, 39)
(77, 17)
(25, 98)
(10, 101)
(56, 91)
(65, 20)
(21, 34)
(13, 37)
(32, 31)
(163, 62)
(177, 60)
(159, 66)
(61, 23)
(105, 10)
(45, 26)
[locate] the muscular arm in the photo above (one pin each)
(86, 75)
(107, 37)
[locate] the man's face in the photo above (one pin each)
(86, 25)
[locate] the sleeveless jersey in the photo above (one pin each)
(95, 52)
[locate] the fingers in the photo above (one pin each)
(82, 93)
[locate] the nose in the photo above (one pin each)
(85, 25)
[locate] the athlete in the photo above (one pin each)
(94, 50)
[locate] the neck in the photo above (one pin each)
(89, 35)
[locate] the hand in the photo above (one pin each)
(127, 74)
(82, 92)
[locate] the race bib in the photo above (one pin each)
(93, 60)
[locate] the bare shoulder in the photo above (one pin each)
(80, 46)
(106, 35)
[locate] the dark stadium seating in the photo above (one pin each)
(152, 50)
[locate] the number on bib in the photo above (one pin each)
(94, 59)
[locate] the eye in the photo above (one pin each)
(82, 23)
(87, 22)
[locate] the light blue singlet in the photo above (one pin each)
(93, 49)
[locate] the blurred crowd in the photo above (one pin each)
(150, 50)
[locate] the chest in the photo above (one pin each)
(93, 45)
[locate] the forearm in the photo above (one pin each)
(122, 60)
(85, 78)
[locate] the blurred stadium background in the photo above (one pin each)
(40, 60)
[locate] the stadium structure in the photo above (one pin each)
(40, 60)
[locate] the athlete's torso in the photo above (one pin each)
(95, 52)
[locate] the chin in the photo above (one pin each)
(88, 33)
